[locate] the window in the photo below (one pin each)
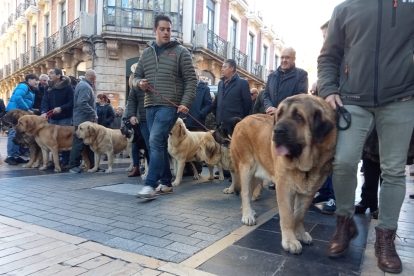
(34, 32)
(24, 46)
(276, 62)
(264, 55)
(210, 15)
(15, 50)
(251, 43)
(47, 25)
(233, 32)
(63, 14)
(82, 6)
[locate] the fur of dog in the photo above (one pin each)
(182, 146)
(134, 135)
(103, 140)
(49, 137)
(12, 118)
(225, 131)
(295, 150)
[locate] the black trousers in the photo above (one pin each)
(372, 174)
(76, 152)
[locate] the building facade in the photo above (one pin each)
(37, 35)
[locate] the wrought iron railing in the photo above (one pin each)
(4, 28)
(20, 10)
(38, 51)
(10, 21)
(8, 69)
(256, 69)
(29, 3)
(53, 42)
(16, 64)
(240, 58)
(217, 44)
(71, 31)
(26, 58)
(1, 74)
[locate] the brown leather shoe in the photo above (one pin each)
(388, 259)
(345, 231)
(135, 172)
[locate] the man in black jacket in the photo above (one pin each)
(286, 81)
(233, 95)
(40, 92)
(59, 98)
(2, 108)
(369, 44)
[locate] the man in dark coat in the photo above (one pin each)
(286, 81)
(40, 91)
(254, 93)
(59, 98)
(2, 108)
(259, 107)
(233, 96)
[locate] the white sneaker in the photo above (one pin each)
(163, 190)
(147, 192)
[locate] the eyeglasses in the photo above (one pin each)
(285, 57)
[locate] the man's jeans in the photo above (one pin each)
(394, 123)
(160, 120)
(327, 188)
(76, 152)
(12, 149)
(146, 134)
(63, 122)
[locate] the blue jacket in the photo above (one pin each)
(201, 106)
(22, 98)
(232, 101)
(281, 85)
(61, 95)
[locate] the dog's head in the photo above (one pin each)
(19, 140)
(87, 131)
(179, 130)
(26, 123)
(12, 117)
(301, 124)
(225, 131)
(209, 150)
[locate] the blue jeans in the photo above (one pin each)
(327, 188)
(160, 120)
(135, 155)
(63, 122)
(12, 149)
(146, 134)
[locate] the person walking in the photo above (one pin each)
(105, 111)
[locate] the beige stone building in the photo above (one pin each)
(37, 35)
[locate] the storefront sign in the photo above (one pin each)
(114, 98)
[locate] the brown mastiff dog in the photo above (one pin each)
(49, 137)
(12, 117)
(295, 150)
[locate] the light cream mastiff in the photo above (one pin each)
(102, 141)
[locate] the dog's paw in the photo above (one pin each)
(176, 183)
(42, 168)
(249, 219)
(196, 177)
(144, 177)
(255, 198)
(211, 178)
(36, 165)
(228, 191)
(57, 169)
(92, 170)
(305, 238)
(26, 166)
(108, 171)
(292, 246)
(221, 178)
(128, 169)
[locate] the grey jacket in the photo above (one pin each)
(371, 44)
(172, 75)
(84, 106)
(136, 105)
(259, 106)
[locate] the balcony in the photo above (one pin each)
(256, 69)
(52, 43)
(3, 28)
(16, 64)
(1, 74)
(8, 69)
(20, 17)
(38, 51)
(240, 58)
(71, 31)
(31, 8)
(217, 44)
(26, 58)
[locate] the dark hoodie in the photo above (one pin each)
(60, 95)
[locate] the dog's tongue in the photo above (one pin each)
(281, 151)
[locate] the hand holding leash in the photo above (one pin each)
(182, 109)
(143, 84)
(134, 120)
(334, 100)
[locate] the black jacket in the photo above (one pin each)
(60, 95)
(136, 105)
(39, 92)
(232, 101)
(201, 106)
(108, 116)
(281, 85)
(2, 108)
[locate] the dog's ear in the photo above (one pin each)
(182, 129)
(321, 127)
(92, 130)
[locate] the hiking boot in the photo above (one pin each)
(329, 208)
(388, 259)
(345, 231)
(147, 192)
(164, 189)
(320, 198)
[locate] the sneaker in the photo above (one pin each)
(147, 192)
(320, 198)
(330, 207)
(75, 170)
(164, 189)
(20, 160)
(11, 161)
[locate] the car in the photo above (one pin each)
(214, 89)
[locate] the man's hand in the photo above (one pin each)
(182, 109)
(134, 120)
(332, 99)
(57, 110)
(271, 111)
(43, 115)
(143, 84)
(95, 119)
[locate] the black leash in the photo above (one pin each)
(340, 110)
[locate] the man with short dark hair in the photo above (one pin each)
(59, 98)
(167, 67)
(40, 92)
(233, 95)
(22, 98)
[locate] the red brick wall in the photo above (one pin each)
(224, 19)
(53, 19)
(91, 6)
(259, 47)
(272, 58)
(243, 35)
(71, 10)
(199, 12)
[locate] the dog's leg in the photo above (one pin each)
(32, 159)
(229, 190)
(55, 154)
(286, 200)
(179, 172)
(97, 161)
(45, 154)
(257, 191)
(246, 178)
(220, 170)
(174, 162)
(85, 158)
(144, 176)
(211, 168)
(302, 203)
(110, 155)
(39, 158)
(196, 176)
(131, 163)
